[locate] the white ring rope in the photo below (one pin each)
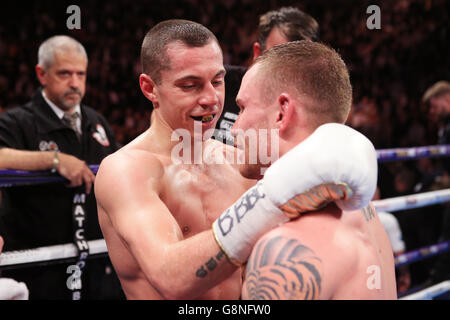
(57, 252)
(65, 251)
(430, 292)
(412, 201)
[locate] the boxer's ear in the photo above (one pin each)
(256, 50)
(148, 88)
(285, 113)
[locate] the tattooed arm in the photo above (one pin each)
(282, 268)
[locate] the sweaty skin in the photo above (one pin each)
(195, 195)
(326, 255)
(156, 215)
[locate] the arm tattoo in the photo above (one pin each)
(283, 269)
(368, 212)
(211, 264)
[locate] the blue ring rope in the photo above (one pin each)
(413, 153)
(11, 178)
(422, 253)
(15, 178)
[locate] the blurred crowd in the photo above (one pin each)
(390, 68)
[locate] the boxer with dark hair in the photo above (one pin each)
(275, 27)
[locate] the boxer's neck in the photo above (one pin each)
(170, 142)
(293, 140)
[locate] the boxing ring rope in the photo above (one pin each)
(47, 254)
(63, 252)
(96, 247)
(413, 153)
(15, 178)
(422, 253)
(430, 292)
(11, 178)
(412, 201)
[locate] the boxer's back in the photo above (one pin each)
(374, 270)
(324, 255)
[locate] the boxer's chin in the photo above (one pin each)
(251, 171)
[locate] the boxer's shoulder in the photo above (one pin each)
(317, 240)
(132, 168)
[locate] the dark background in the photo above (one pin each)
(390, 70)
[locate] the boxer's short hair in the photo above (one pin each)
(154, 57)
(311, 69)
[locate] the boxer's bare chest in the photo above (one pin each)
(197, 194)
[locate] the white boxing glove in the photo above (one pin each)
(12, 290)
(335, 163)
